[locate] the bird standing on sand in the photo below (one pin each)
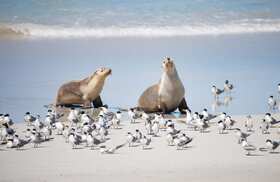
(131, 139)
(272, 145)
(271, 103)
(171, 129)
(228, 87)
(264, 127)
(229, 122)
(117, 119)
(48, 120)
(247, 147)
(249, 123)
(35, 138)
(8, 120)
(155, 128)
(65, 133)
(271, 120)
(201, 125)
(131, 115)
(59, 127)
(170, 139)
(103, 132)
(189, 117)
(85, 118)
(182, 141)
(241, 135)
(223, 116)
(46, 132)
(29, 119)
(221, 126)
(92, 141)
(73, 116)
(6, 132)
(148, 126)
(18, 143)
(206, 116)
(27, 133)
(216, 92)
(138, 135)
(145, 142)
(37, 123)
(74, 140)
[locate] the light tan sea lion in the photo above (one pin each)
(167, 95)
(83, 92)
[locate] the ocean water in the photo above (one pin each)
(145, 18)
(44, 44)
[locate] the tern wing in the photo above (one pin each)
(189, 141)
(120, 146)
(275, 144)
(96, 141)
(148, 141)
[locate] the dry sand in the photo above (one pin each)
(210, 157)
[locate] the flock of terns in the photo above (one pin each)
(78, 128)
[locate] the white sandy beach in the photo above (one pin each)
(210, 157)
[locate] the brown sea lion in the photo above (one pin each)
(83, 92)
(167, 95)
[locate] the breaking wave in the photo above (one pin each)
(30, 30)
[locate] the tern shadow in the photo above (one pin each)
(78, 148)
(206, 131)
(254, 155)
(148, 148)
(274, 152)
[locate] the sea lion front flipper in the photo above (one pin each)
(183, 106)
(162, 106)
(97, 102)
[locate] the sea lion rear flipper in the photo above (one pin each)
(183, 106)
(97, 102)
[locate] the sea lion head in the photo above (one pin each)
(102, 72)
(168, 65)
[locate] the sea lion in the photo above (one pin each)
(167, 95)
(83, 92)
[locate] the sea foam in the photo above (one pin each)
(55, 31)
